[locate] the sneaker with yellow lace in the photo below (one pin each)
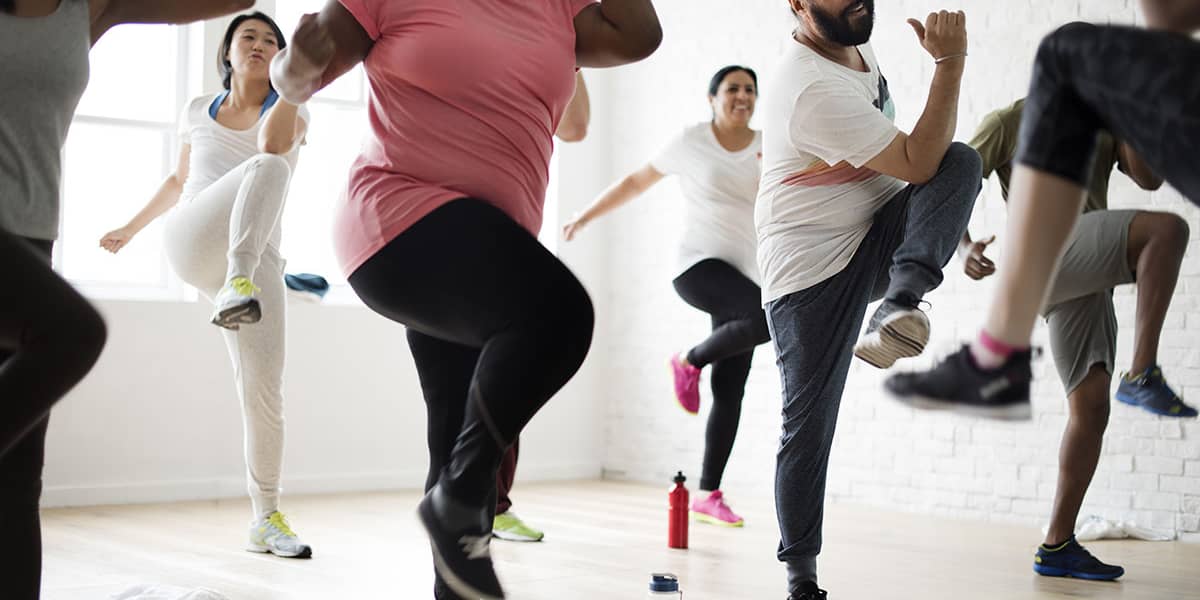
(272, 534)
(235, 304)
(508, 526)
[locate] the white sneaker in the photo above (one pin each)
(235, 304)
(273, 535)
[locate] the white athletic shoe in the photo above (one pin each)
(896, 331)
(273, 535)
(235, 304)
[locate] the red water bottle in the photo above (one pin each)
(677, 514)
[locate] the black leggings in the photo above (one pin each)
(49, 339)
(496, 325)
(1143, 86)
(738, 326)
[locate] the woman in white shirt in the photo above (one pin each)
(239, 148)
(719, 163)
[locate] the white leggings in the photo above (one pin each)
(232, 229)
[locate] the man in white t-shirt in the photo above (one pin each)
(850, 210)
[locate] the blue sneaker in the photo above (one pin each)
(1072, 560)
(1150, 391)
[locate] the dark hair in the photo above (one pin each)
(223, 64)
(8, 6)
(714, 86)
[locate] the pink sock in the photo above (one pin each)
(989, 352)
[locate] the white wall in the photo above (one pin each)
(883, 454)
(158, 418)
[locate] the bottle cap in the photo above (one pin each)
(679, 478)
(664, 582)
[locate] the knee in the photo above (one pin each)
(271, 165)
(965, 162)
(81, 339)
(1090, 405)
(1174, 232)
(572, 322)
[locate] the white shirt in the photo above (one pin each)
(217, 149)
(718, 188)
(811, 216)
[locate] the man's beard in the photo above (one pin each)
(839, 30)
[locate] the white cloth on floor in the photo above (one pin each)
(1094, 527)
(167, 592)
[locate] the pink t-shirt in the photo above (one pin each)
(465, 99)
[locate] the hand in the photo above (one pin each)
(116, 239)
(975, 264)
(312, 43)
(943, 34)
(572, 228)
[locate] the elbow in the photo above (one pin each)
(1150, 184)
(644, 43)
(573, 132)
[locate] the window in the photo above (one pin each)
(339, 121)
(121, 146)
(124, 142)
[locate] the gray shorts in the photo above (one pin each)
(1079, 309)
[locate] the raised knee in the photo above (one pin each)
(1175, 232)
(964, 159)
(272, 164)
(1068, 35)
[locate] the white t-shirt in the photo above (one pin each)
(718, 188)
(217, 149)
(811, 217)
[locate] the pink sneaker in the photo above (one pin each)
(714, 510)
(687, 385)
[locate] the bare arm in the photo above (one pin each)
(324, 47)
(282, 130)
(107, 14)
(1181, 16)
(633, 185)
(1132, 165)
(574, 124)
(616, 32)
(915, 157)
(164, 199)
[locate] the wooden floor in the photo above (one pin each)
(603, 541)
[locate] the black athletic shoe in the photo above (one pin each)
(809, 591)
(896, 331)
(462, 558)
(956, 384)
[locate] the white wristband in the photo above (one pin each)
(938, 61)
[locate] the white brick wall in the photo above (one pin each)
(883, 453)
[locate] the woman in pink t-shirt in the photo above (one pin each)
(437, 229)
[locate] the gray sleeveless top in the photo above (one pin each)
(43, 72)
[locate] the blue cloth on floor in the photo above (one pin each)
(307, 282)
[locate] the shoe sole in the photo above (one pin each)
(305, 553)
(455, 583)
(1057, 572)
(678, 402)
(515, 537)
(1009, 412)
(235, 316)
(900, 336)
(1123, 399)
(711, 520)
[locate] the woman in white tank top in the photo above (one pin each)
(239, 148)
(719, 163)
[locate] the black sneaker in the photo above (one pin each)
(956, 384)
(462, 558)
(896, 331)
(809, 591)
(1072, 560)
